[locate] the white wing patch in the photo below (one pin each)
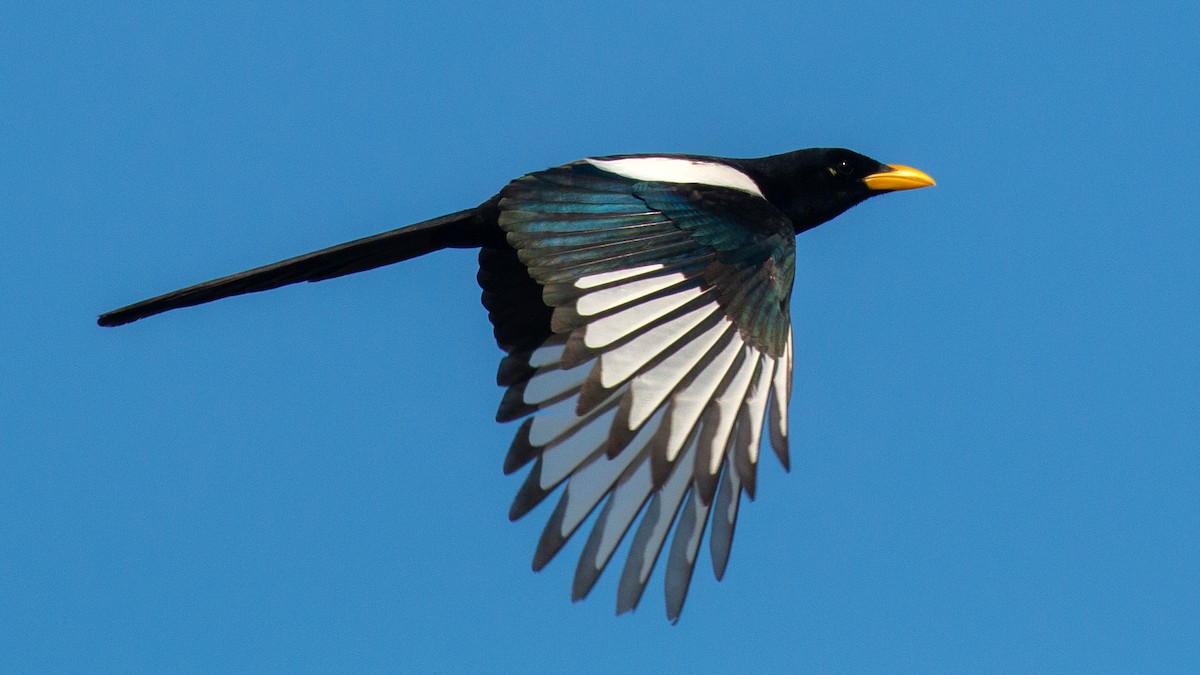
(593, 480)
(663, 417)
(679, 170)
(594, 280)
(756, 405)
(611, 297)
(727, 404)
(621, 363)
(546, 355)
(654, 385)
(607, 330)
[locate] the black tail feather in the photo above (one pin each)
(455, 230)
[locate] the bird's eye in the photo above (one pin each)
(843, 168)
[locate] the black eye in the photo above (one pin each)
(843, 168)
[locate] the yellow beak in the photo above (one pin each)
(899, 178)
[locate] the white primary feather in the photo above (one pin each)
(728, 403)
(618, 364)
(546, 354)
(609, 329)
(589, 483)
(691, 537)
(563, 460)
(550, 383)
(614, 296)
(756, 403)
(650, 388)
(779, 386)
(725, 510)
(602, 278)
(624, 504)
(682, 559)
(669, 497)
(557, 421)
(688, 404)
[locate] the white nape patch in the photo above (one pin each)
(615, 296)
(728, 403)
(679, 170)
(756, 404)
(594, 280)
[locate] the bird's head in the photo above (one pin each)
(814, 185)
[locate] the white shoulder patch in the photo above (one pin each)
(679, 170)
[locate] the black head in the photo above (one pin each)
(814, 185)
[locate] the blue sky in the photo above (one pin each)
(997, 389)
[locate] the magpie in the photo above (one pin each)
(642, 303)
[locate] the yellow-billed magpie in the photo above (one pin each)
(643, 304)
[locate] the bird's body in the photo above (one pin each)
(643, 305)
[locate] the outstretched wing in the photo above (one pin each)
(670, 282)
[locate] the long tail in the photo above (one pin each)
(455, 230)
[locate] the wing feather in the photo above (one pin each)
(614, 521)
(682, 560)
(670, 352)
(724, 518)
(651, 535)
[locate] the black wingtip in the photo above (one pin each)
(530, 493)
(552, 539)
(514, 369)
(522, 451)
(513, 405)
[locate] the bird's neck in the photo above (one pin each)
(782, 179)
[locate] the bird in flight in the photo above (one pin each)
(642, 302)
